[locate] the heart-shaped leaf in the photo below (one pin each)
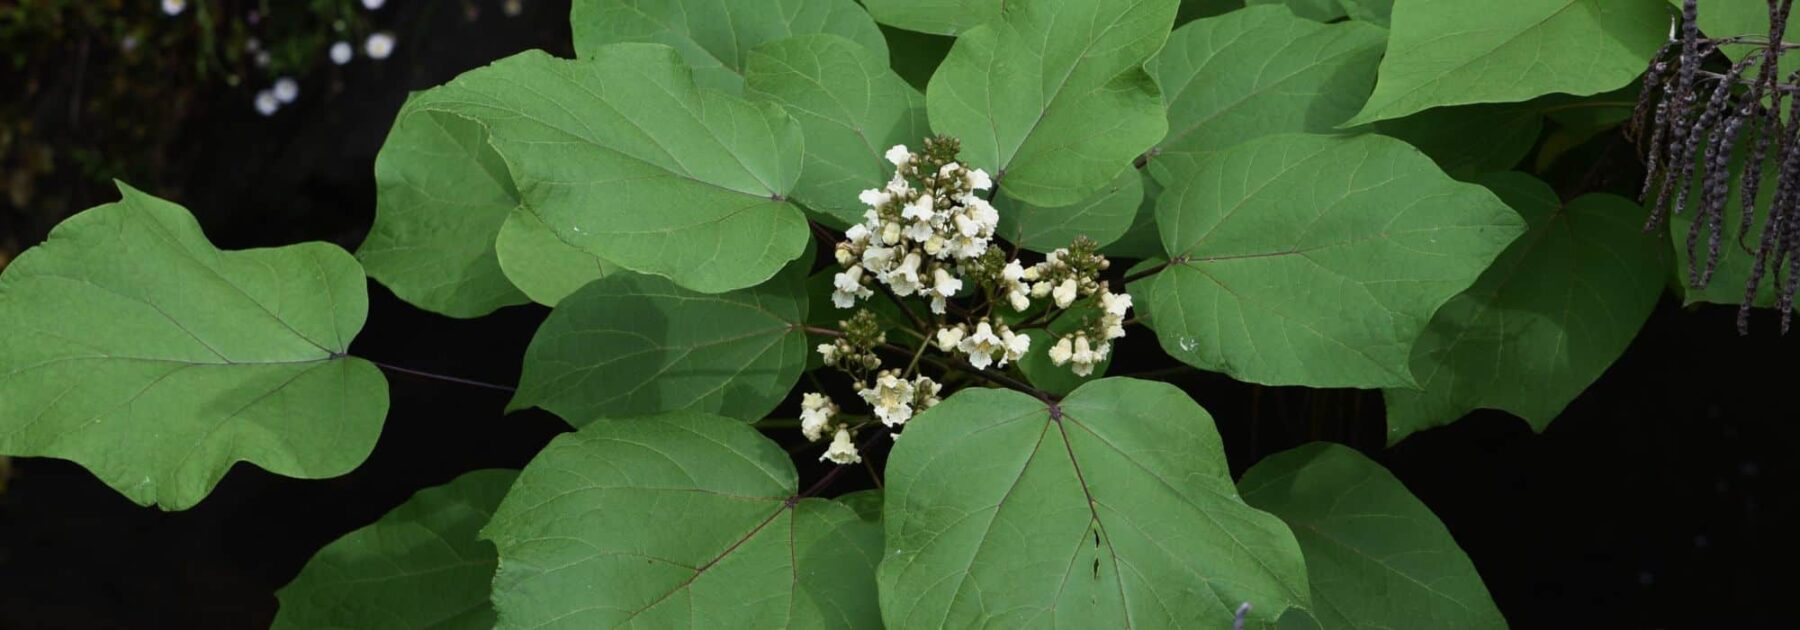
(420, 566)
(631, 344)
(1256, 72)
(137, 349)
(1316, 260)
(1456, 52)
(1053, 96)
(1375, 556)
(852, 108)
(594, 144)
(679, 520)
(1113, 509)
(1545, 320)
(441, 195)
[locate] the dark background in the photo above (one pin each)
(1661, 498)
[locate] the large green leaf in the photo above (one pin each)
(1455, 52)
(1376, 557)
(851, 107)
(1140, 240)
(135, 348)
(939, 17)
(1316, 10)
(420, 566)
(631, 344)
(1053, 96)
(623, 157)
(1315, 260)
(1104, 217)
(1371, 11)
(1545, 320)
(1113, 510)
(1471, 140)
(441, 195)
(542, 264)
(1257, 72)
(715, 36)
(682, 520)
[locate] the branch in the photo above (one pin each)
(442, 377)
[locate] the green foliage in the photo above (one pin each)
(1288, 249)
(1375, 556)
(1313, 194)
(155, 360)
(851, 108)
(1105, 217)
(420, 566)
(632, 344)
(1257, 72)
(443, 195)
(715, 37)
(1455, 52)
(1053, 97)
(1544, 320)
(685, 519)
(1113, 509)
(716, 168)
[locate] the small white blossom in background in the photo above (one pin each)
(379, 45)
(988, 346)
(174, 7)
(373, 4)
(512, 8)
(262, 59)
(816, 411)
(342, 52)
(266, 103)
(286, 90)
(842, 449)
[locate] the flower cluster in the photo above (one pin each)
(919, 229)
(929, 235)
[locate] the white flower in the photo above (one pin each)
(847, 286)
(1116, 304)
(949, 337)
(266, 103)
(977, 180)
(920, 232)
(939, 304)
(842, 450)
(341, 53)
(890, 233)
(1065, 293)
(922, 209)
(1084, 357)
(878, 259)
(1019, 300)
(174, 7)
(891, 397)
(981, 346)
(899, 155)
(262, 59)
(904, 280)
(1041, 289)
(1060, 353)
(379, 45)
(373, 4)
(944, 284)
(1015, 345)
(828, 352)
(512, 8)
(874, 197)
(967, 226)
(858, 234)
(816, 411)
(287, 89)
(984, 214)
